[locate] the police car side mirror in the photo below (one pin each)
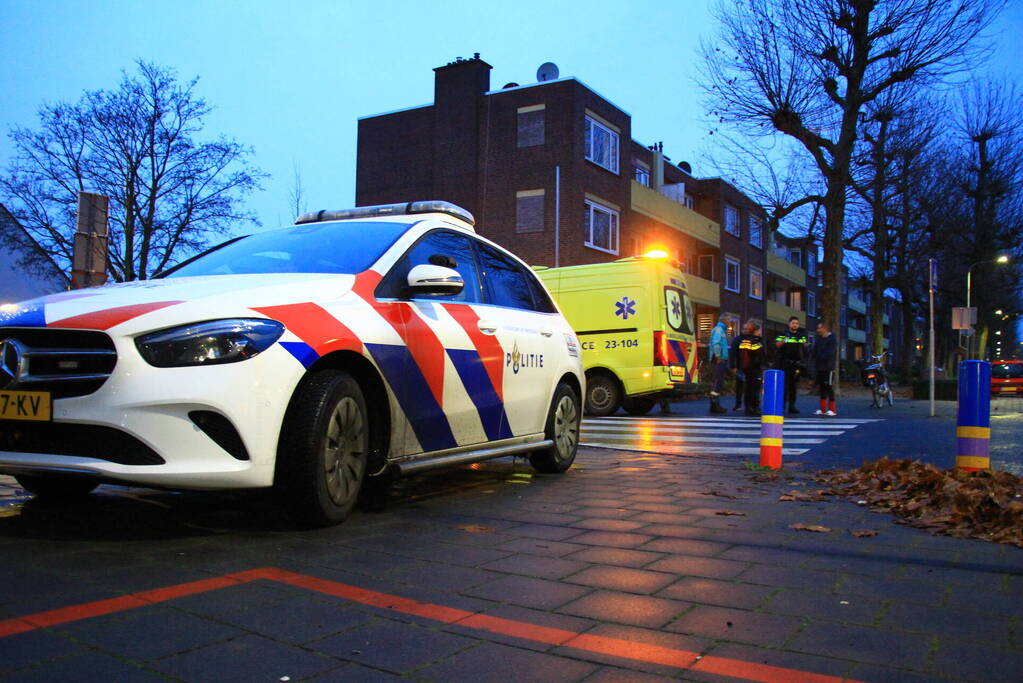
(427, 278)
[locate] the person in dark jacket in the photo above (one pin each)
(790, 349)
(824, 366)
(751, 357)
(733, 359)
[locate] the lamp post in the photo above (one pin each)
(969, 272)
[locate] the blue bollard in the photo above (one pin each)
(973, 426)
(772, 419)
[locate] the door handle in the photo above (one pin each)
(547, 333)
(487, 327)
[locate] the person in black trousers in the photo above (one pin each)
(750, 361)
(790, 348)
(824, 366)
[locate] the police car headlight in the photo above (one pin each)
(209, 343)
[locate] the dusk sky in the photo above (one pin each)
(291, 79)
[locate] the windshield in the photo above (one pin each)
(349, 247)
(1007, 371)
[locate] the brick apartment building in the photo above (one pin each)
(551, 172)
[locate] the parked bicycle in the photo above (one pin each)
(875, 377)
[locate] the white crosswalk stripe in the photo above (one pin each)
(707, 435)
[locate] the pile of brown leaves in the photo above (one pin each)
(986, 504)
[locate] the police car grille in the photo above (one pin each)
(64, 362)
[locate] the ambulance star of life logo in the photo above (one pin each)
(676, 308)
(625, 308)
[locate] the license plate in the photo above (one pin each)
(677, 372)
(25, 405)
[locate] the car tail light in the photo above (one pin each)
(661, 356)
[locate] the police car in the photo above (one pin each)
(354, 344)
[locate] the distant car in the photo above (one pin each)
(354, 344)
(1007, 377)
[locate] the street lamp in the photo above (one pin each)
(969, 272)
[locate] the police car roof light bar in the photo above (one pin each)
(403, 209)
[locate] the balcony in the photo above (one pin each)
(857, 304)
(779, 266)
(780, 313)
(703, 291)
(654, 205)
(858, 336)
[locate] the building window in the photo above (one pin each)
(641, 175)
(756, 231)
(600, 226)
(529, 213)
(705, 262)
(731, 274)
(811, 262)
(601, 145)
(796, 257)
(531, 126)
(756, 283)
(731, 220)
(811, 304)
(704, 326)
(687, 200)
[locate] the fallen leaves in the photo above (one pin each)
(986, 504)
(806, 496)
(816, 528)
(863, 533)
(730, 513)
(475, 528)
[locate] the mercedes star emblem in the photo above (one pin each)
(12, 360)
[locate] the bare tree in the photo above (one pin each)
(296, 194)
(807, 69)
(136, 144)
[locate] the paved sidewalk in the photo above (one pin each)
(629, 567)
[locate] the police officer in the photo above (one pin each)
(791, 347)
(750, 361)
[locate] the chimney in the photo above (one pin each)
(657, 167)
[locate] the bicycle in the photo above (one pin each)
(875, 377)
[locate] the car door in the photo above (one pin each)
(442, 377)
(518, 312)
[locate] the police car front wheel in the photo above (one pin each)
(563, 429)
(321, 461)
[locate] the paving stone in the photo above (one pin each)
(764, 555)
(732, 659)
(300, 619)
(393, 646)
(676, 530)
(968, 661)
(540, 547)
(663, 518)
(23, 649)
(611, 674)
(883, 674)
(247, 658)
(679, 546)
(894, 589)
(550, 533)
(961, 624)
(524, 616)
(688, 565)
(603, 513)
(535, 565)
(841, 607)
(862, 644)
(991, 601)
(494, 662)
(641, 636)
(604, 524)
(790, 577)
(668, 508)
(623, 579)
(712, 592)
(92, 666)
(441, 576)
(721, 623)
(625, 608)
(356, 673)
(168, 631)
(611, 539)
(621, 557)
(528, 592)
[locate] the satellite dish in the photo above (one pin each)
(548, 71)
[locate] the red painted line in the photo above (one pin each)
(108, 317)
(616, 647)
(315, 326)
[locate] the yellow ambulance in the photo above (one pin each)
(634, 321)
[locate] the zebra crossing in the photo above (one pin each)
(707, 435)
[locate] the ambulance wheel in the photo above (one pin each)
(603, 395)
(638, 406)
(56, 486)
(563, 429)
(321, 458)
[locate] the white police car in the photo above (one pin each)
(353, 344)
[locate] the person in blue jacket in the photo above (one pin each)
(718, 361)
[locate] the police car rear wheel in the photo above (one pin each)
(321, 463)
(563, 429)
(602, 395)
(55, 486)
